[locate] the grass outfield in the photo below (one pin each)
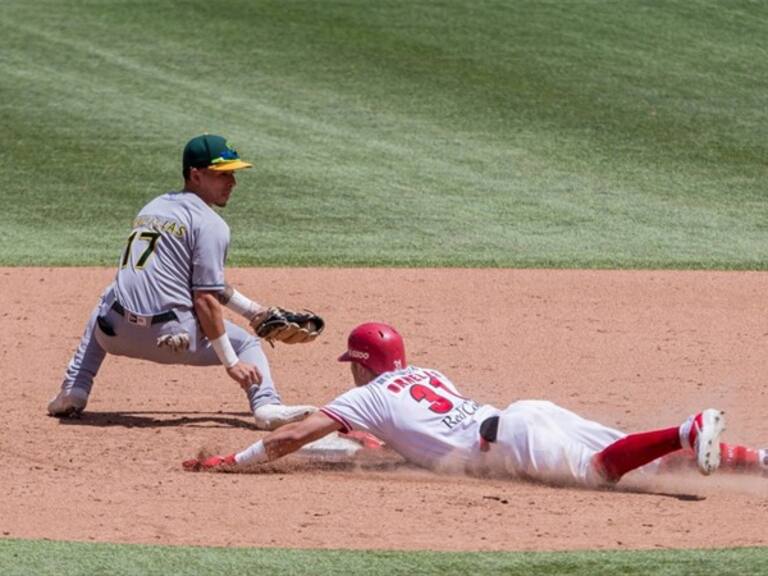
(21, 558)
(442, 133)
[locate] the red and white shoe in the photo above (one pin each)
(210, 463)
(701, 433)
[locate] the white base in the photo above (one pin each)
(331, 447)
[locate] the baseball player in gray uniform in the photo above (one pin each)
(165, 304)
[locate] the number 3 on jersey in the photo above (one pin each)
(437, 402)
(151, 238)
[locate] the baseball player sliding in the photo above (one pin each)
(420, 414)
(166, 302)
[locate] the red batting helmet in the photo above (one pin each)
(376, 346)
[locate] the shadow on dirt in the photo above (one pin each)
(299, 463)
(652, 492)
(160, 419)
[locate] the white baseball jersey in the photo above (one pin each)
(178, 244)
(419, 413)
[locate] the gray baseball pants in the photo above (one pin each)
(136, 337)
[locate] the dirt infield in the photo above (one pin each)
(634, 350)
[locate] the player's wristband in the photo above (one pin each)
(224, 350)
(255, 453)
(243, 305)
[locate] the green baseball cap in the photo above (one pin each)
(212, 152)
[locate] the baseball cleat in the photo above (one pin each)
(272, 416)
(704, 438)
(68, 403)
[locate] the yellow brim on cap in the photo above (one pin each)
(229, 166)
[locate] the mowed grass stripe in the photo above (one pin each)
(23, 557)
(589, 134)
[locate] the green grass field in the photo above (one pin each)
(442, 133)
(22, 558)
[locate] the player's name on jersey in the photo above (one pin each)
(399, 384)
(161, 224)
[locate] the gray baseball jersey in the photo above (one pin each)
(178, 244)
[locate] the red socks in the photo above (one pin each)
(636, 450)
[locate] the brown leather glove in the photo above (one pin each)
(281, 325)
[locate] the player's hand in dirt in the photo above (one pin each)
(210, 463)
(245, 374)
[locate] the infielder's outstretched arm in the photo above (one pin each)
(211, 319)
(273, 323)
(239, 303)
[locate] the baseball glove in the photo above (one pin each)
(279, 324)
